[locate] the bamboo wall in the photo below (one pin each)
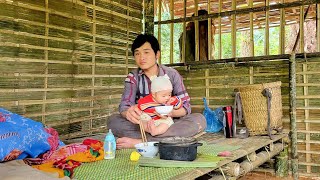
(217, 83)
(63, 62)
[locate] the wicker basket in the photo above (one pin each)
(255, 107)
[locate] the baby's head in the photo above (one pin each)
(161, 88)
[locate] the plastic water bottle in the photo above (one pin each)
(109, 146)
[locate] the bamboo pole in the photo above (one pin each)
(171, 30)
(207, 84)
(220, 31)
(282, 30)
(318, 27)
(184, 32)
(293, 114)
(149, 19)
(209, 31)
(93, 60)
(262, 157)
(196, 31)
(306, 113)
(266, 41)
(233, 31)
(159, 27)
(251, 30)
(127, 44)
(301, 29)
(46, 57)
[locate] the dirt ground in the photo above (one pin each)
(269, 176)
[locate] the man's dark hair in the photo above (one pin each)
(143, 38)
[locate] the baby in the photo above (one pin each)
(161, 90)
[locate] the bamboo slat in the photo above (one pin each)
(66, 60)
(318, 27)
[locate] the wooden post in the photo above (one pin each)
(318, 27)
(266, 40)
(149, 16)
(209, 32)
(159, 27)
(293, 115)
(220, 31)
(251, 30)
(196, 31)
(233, 30)
(171, 30)
(184, 32)
(282, 30)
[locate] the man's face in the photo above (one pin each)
(145, 57)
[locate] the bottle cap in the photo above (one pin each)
(109, 136)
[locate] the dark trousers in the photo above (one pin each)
(186, 126)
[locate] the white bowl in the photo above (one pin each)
(164, 110)
(147, 151)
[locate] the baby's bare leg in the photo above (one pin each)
(157, 130)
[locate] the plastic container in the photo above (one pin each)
(109, 146)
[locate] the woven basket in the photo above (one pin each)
(255, 107)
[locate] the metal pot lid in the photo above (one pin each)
(178, 141)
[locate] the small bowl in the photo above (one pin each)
(147, 151)
(164, 110)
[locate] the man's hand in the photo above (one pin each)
(133, 114)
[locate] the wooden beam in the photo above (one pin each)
(244, 60)
(242, 11)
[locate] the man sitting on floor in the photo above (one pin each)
(125, 125)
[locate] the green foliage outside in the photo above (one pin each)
(259, 41)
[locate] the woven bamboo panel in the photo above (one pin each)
(63, 62)
(224, 78)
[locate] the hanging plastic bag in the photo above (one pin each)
(214, 118)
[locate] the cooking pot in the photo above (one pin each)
(178, 148)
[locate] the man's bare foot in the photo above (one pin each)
(127, 143)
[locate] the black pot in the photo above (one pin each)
(178, 148)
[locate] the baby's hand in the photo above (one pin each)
(171, 100)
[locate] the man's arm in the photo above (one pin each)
(180, 91)
(127, 107)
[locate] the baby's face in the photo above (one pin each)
(162, 97)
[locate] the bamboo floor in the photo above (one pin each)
(248, 146)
